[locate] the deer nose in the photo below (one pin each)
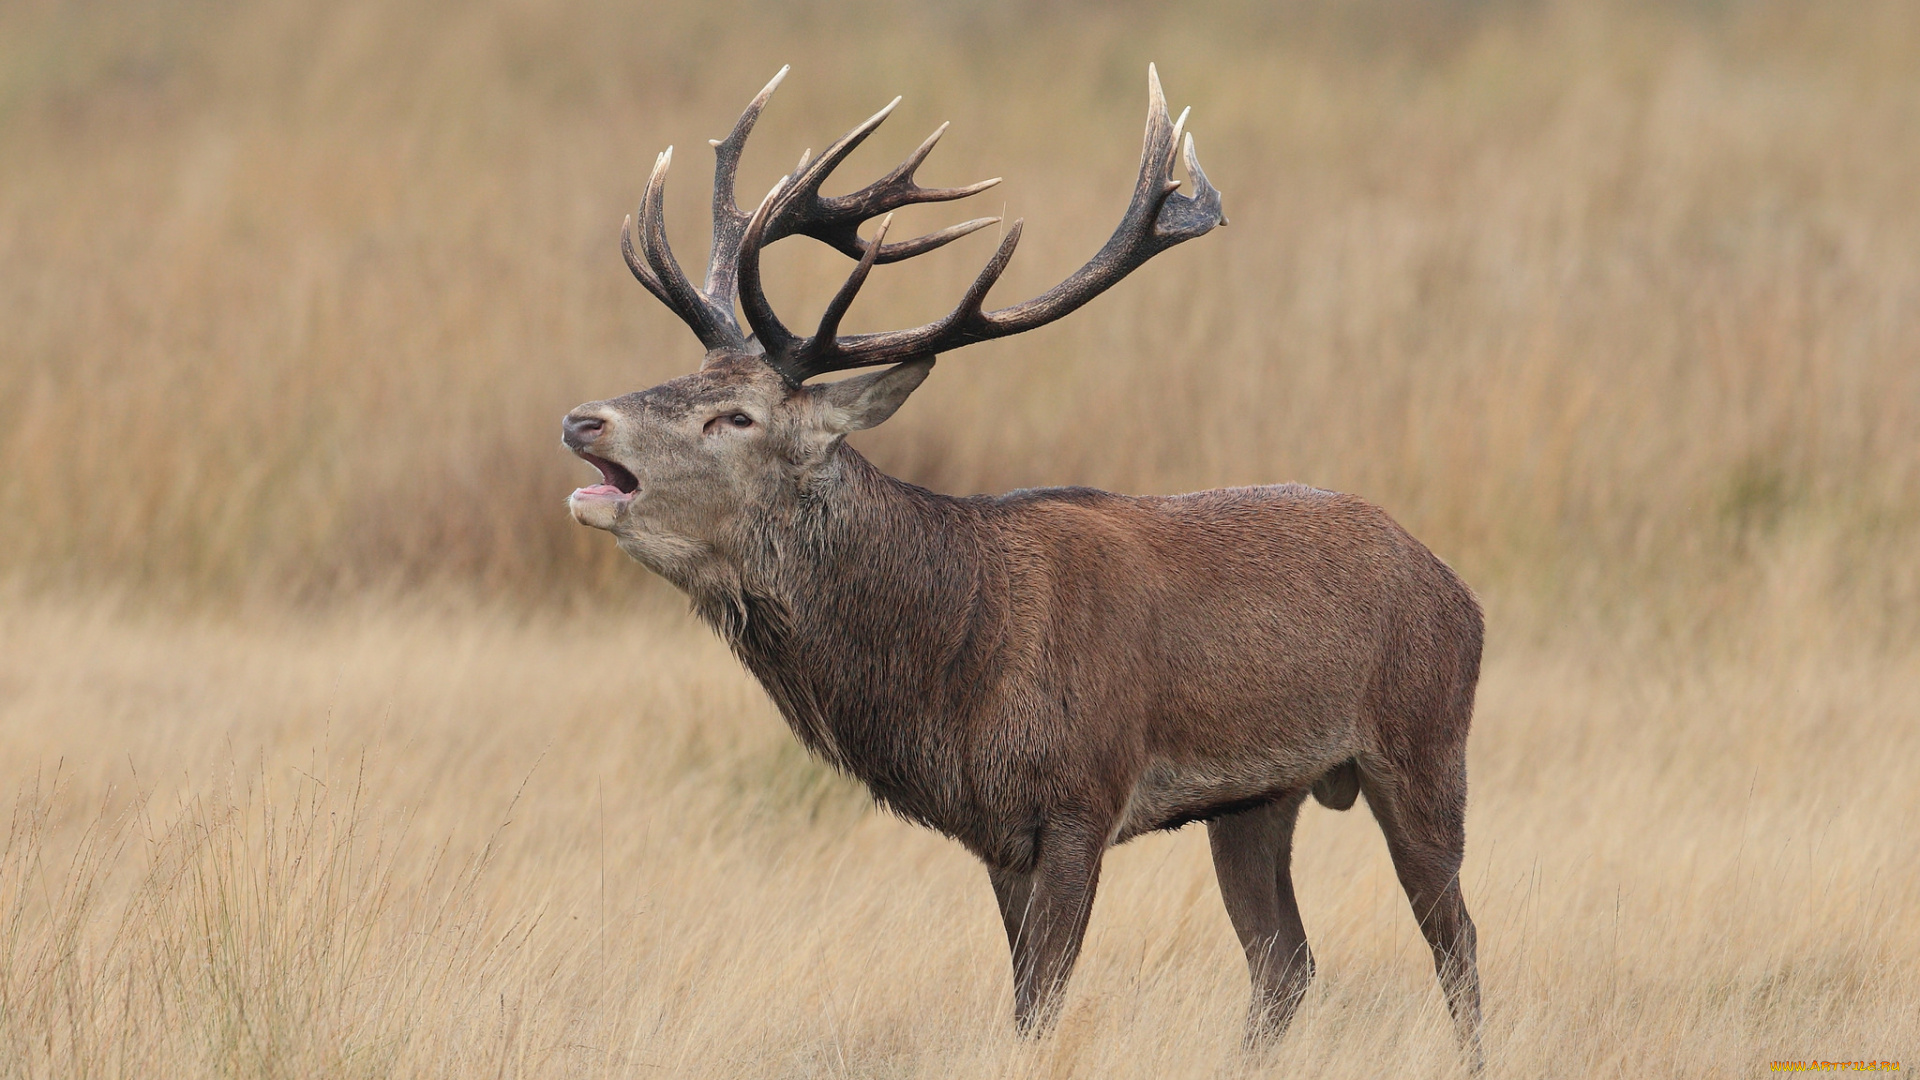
(579, 431)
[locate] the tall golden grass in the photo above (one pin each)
(394, 842)
(333, 747)
(294, 297)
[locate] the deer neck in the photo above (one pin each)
(860, 613)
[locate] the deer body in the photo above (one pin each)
(1043, 674)
(967, 661)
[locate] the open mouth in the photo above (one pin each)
(619, 482)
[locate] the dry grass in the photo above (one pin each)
(294, 300)
(392, 843)
(1614, 304)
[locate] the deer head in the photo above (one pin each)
(697, 470)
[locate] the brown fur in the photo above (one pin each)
(1043, 674)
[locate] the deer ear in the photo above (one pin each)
(865, 400)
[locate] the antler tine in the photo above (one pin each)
(796, 368)
(836, 221)
(1156, 219)
(968, 310)
(812, 176)
(639, 267)
(714, 327)
(1173, 145)
(965, 324)
(1204, 193)
(775, 340)
(920, 245)
(897, 189)
(729, 221)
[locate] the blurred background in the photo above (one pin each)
(1612, 303)
(336, 748)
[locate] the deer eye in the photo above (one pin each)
(739, 421)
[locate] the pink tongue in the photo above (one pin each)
(601, 491)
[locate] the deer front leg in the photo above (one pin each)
(1045, 912)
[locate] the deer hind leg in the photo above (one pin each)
(1253, 856)
(1423, 815)
(1045, 912)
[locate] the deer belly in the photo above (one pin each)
(1170, 794)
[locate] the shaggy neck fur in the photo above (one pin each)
(868, 616)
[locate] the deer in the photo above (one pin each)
(1045, 674)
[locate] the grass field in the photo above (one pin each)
(395, 842)
(334, 747)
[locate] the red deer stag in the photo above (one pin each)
(1044, 674)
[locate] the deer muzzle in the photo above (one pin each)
(598, 505)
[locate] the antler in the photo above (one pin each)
(1156, 219)
(834, 221)
(710, 311)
